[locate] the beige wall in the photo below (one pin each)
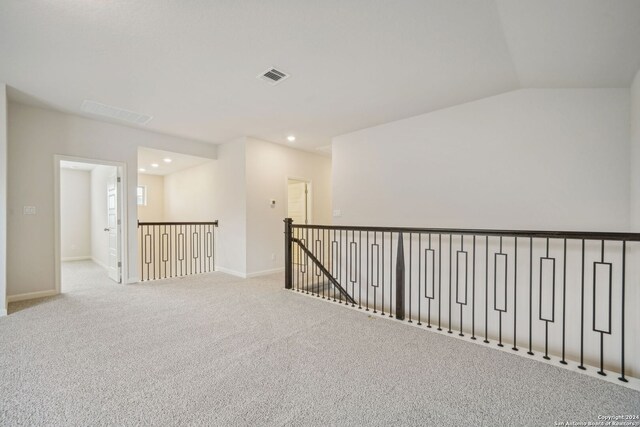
(635, 154)
(3, 199)
(75, 214)
(154, 210)
(527, 159)
(268, 167)
(189, 194)
(229, 188)
(534, 159)
(35, 136)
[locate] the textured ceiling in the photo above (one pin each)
(353, 63)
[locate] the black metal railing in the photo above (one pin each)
(561, 294)
(173, 249)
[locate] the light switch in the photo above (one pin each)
(29, 210)
(337, 213)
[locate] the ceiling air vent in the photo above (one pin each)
(98, 109)
(273, 76)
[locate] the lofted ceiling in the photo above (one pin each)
(192, 65)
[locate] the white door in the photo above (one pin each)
(298, 203)
(113, 226)
(298, 209)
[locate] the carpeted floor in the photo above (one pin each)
(218, 350)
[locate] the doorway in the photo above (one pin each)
(90, 224)
(299, 200)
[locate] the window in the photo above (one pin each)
(142, 195)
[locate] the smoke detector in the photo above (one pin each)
(273, 76)
(99, 109)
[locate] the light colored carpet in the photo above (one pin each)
(217, 350)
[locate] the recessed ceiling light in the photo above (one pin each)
(167, 160)
(142, 170)
(154, 165)
(291, 138)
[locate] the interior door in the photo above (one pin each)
(113, 226)
(298, 209)
(298, 203)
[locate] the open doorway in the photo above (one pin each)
(177, 214)
(90, 225)
(299, 200)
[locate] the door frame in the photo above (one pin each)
(309, 195)
(123, 209)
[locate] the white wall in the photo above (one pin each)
(236, 188)
(35, 136)
(229, 187)
(189, 194)
(155, 207)
(634, 252)
(528, 159)
(3, 199)
(635, 153)
(99, 238)
(75, 214)
(268, 167)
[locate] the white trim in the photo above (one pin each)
(231, 272)
(249, 275)
(76, 258)
(99, 263)
(264, 272)
(309, 195)
(124, 223)
(3, 312)
(32, 295)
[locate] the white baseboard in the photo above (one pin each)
(76, 258)
(264, 272)
(249, 275)
(231, 272)
(31, 295)
(99, 263)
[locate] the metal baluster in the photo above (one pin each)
(359, 269)
(433, 284)
(450, 261)
(460, 303)
(473, 291)
(530, 352)
(390, 268)
(624, 258)
(410, 271)
(382, 262)
(400, 279)
(515, 292)
(439, 282)
(505, 297)
(486, 291)
(153, 245)
(581, 366)
(368, 275)
(419, 275)
(564, 298)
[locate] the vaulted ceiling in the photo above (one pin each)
(192, 65)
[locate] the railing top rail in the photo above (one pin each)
(586, 235)
(214, 223)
